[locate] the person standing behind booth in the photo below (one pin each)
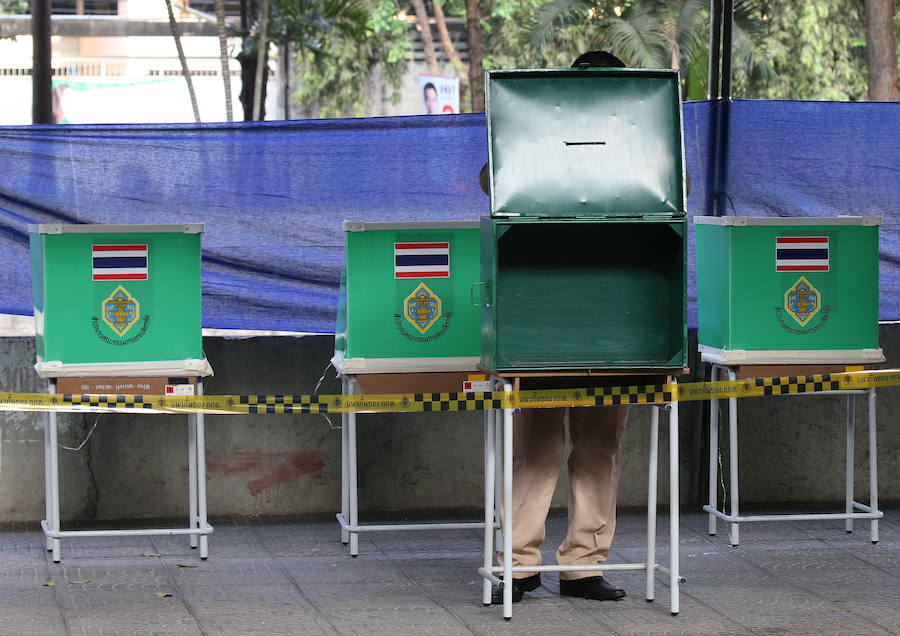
(539, 441)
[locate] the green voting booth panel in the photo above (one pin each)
(406, 298)
(117, 299)
(785, 290)
(575, 294)
(585, 142)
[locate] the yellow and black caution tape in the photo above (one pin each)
(429, 402)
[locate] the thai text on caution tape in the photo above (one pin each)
(461, 401)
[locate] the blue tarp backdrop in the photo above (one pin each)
(273, 195)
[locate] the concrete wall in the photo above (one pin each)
(136, 466)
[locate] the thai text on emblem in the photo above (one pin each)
(120, 310)
(422, 308)
(802, 301)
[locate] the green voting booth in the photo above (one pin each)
(583, 256)
(117, 300)
(405, 302)
(788, 290)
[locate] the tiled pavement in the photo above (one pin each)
(295, 577)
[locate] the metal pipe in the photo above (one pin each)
(41, 66)
(652, 478)
(849, 472)
(674, 503)
(727, 30)
(715, 48)
(571, 568)
(489, 504)
(873, 462)
(201, 478)
(813, 516)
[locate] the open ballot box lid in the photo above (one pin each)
(585, 142)
(117, 300)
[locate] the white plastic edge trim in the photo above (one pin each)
(353, 366)
(787, 220)
(158, 368)
(818, 356)
(362, 226)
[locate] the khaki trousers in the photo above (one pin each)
(539, 442)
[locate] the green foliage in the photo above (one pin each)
(336, 79)
(817, 49)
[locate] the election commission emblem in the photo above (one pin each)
(120, 310)
(422, 308)
(802, 301)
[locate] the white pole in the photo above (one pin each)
(674, 576)
(733, 461)
(489, 478)
(507, 508)
(849, 473)
(192, 477)
(873, 462)
(713, 453)
(201, 479)
(651, 501)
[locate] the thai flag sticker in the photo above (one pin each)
(801, 254)
(421, 260)
(119, 262)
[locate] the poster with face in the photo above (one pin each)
(440, 94)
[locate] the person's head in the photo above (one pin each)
(429, 93)
(597, 59)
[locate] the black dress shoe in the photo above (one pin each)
(520, 586)
(593, 587)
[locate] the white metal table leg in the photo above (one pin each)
(674, 502)
(192, 477)
(713, 454)
(498, 471)
(507, 507)
(651, 502)
(53, 522)
(849, 473)
(352, 498)
(733, 462)
(48, 488)
(873, 462)
(201, 479)
(345, 492)
(489, 504)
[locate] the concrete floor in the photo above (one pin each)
(295, 577)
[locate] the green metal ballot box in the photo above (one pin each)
(787, 290)
(405, 302)
(117, 300)
(583, 256)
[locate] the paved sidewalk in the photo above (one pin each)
(283, 577)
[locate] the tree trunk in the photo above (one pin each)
(881, 51)
(427, 39)
(262, 69)
(181, 58)
(476, 58)
(452, 55)
(223, 55)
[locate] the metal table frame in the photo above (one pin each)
(496, 436)
(852, 510)
(198, 526)
(348, 517)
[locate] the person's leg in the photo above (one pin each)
(596, 435)
(538, 447)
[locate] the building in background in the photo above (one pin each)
(114, 61)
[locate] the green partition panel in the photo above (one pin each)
(406, 300)
(781, 290)
(106, 294)
(600, 294)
